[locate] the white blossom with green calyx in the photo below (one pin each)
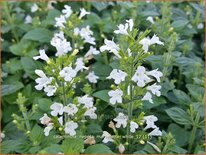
(43, 80)
(116, 96)
(118, 76)
(121, 120)
(111, 47)
(67, 11)
(68, 73)
(92, 77)
(86, 101)
(48, 128)
(57, 109)
(60, 21)
(146, 42)
(107, 137)
(133, 126)
(70, 128)
(61, 44)
(83, 13)
(70, 109)
(42, 56)
(45, 119)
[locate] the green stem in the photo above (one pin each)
(130, 107)
(193, 133)
(64, 101)
(105, 58)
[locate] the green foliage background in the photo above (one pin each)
(180, 109)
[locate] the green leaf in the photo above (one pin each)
(36, 133)
(30, 66)
(101, 70)
(103, 95)
(182, 97)
(52, 149)
(11, 88)
(44, 104)
(181, 135)
(180, 23)
(157, 101)
(39, 34)
(179, 116)
(72, 146)
(100, 5)
(196, 91)
(94, 129)
(98, 149)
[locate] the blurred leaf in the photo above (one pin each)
(72, 146)
(182, 97)
(179, 116)
(103, 95)
(98, 149)
(11, 88)
(39, 34)
(100, 5)
(94, 129)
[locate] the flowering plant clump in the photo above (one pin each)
(102, 78)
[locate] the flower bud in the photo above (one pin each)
(60, 129)
(28, 132)
(15, 121)
(121, 148)
(75, 52)
(112, 126)
(171, 29)
(90, 140)
(142, 142)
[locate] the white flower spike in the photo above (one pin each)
(83, 12)
(92, 77)
(70, 128)
(68, 73)
(107, 137)
(67, 11)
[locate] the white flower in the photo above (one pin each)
(147, 97)
(42, 56)
(2, 135)
(50, 90)
(67, 11)
(45, 119)
(155, 132)
(83, 12)
(131, 24)
(91, 113)
(146, 42)
(48, 129)
(155, 73)
(122, 29)
(140, 76)
(87, 101)
(57, 108)
(155, 40)
(155, 89)
(76, 31)
(68, 73)
(117, 75)
(28, 19)
(60, 120)
(61, 44)
(60, 21)
(79, 65)
(116, 96)
(89, 39)
(107, 137)
(121, 119)
(129, 52)
(111, 47)
(71, 109)
(70, 128)
(92, 77)
(200, 26)
(150, 121)
(34, 7)
(133, 126)
(150, 19)
(121, 148)
(43, 80)
(92, 51)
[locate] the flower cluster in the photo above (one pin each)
(69, 115)
(132, 83)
